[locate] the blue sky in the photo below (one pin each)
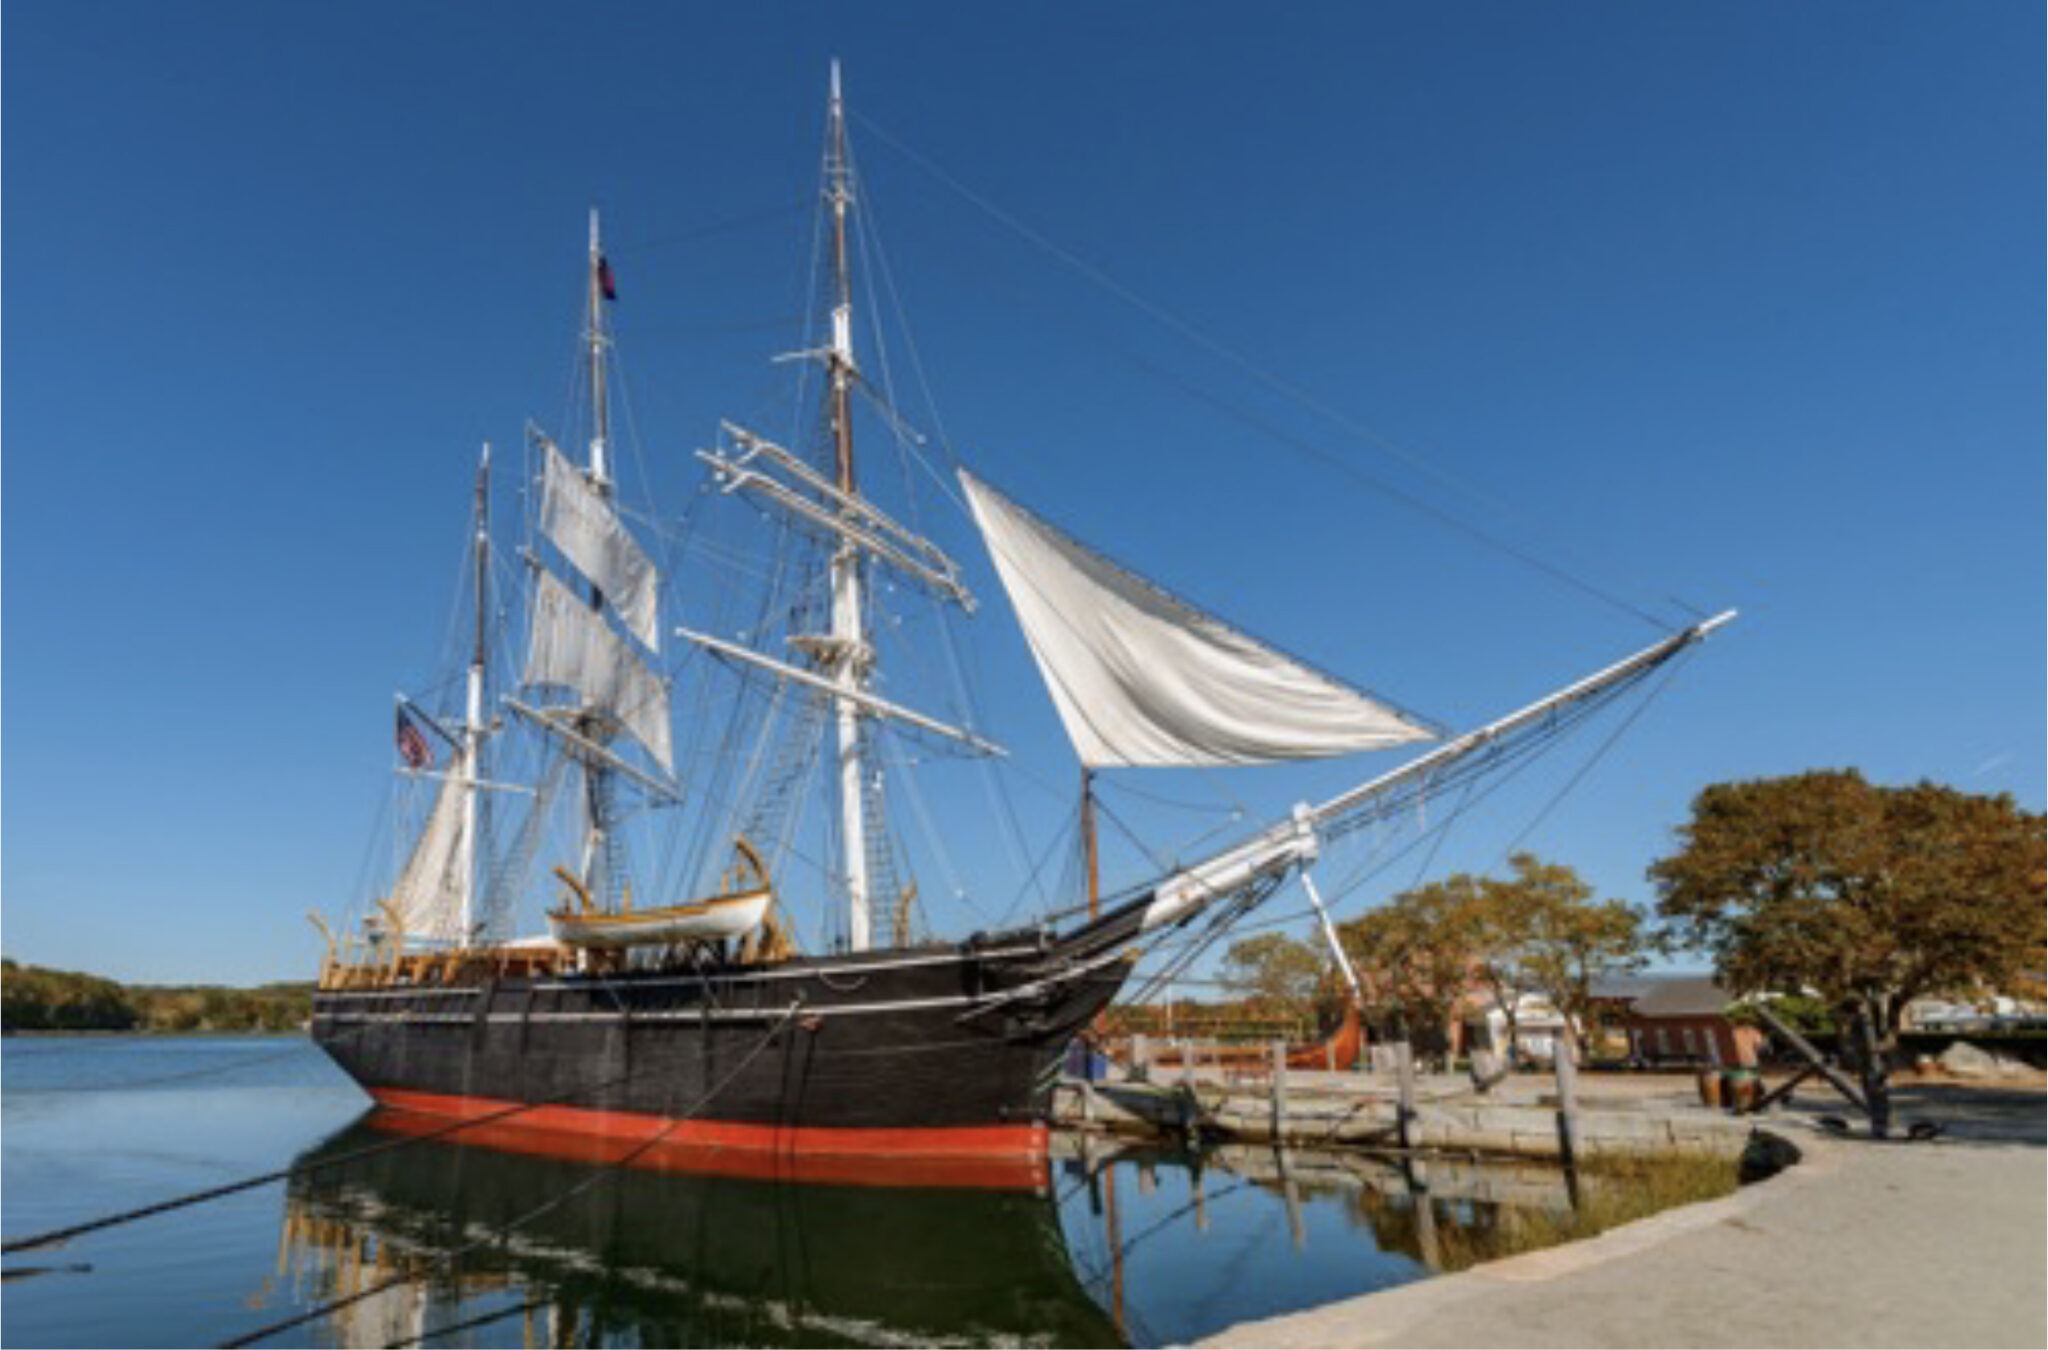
(1728, 305)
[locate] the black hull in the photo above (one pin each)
(960, 1045)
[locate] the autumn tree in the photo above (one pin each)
(1415, 953)
(1276, 971)
(1868, 895)
(1539, 931)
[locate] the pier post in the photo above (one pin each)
(1140, 1070)
(1567, 1098)
(1404, 1113)
(1279, 1091)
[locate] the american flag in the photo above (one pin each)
(413, 747)
(604, 279)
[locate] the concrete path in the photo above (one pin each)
(1862, 1244)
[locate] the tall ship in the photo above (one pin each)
(714, 964)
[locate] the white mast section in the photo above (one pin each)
(880, 707)
(594, 823)
(473, 724)
(751, 466)
(850, 656)
(600, 412)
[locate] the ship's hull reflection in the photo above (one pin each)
(683, 1247)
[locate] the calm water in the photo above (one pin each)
(1130, 1249)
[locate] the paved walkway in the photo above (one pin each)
(1862, 1244)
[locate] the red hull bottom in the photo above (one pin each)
(995, 1157)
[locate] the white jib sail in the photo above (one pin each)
(428, 896)
(1141, 678)
(583, 525)
(571, 646)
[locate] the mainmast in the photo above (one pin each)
(826, 499)
(598, 473)
(849, 653)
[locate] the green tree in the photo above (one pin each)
(1868, 895)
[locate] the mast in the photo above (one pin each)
(849, 652)
(594, 335)
(595, 782)
(473, 718)
(1088, 847)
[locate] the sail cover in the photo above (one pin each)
(572, 646)
(583, 525)
(1141, 678)
(428, 896)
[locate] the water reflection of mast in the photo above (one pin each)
(1110, 1225)
(1425, 1211)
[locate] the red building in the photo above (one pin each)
(1682, 1019)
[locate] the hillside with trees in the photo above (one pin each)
(35, 999)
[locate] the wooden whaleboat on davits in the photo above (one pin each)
(737, 912)
(782, 998)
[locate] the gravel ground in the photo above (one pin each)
(1862, 1244)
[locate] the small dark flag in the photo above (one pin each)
(413, 747)
(604, 279)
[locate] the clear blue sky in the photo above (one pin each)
(1740, 304)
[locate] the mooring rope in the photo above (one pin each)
(57, 1235)
(450, 1258)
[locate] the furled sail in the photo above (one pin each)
(428, 896)
(571, 646)
(1141, 678)
(583, 525)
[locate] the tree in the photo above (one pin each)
(1540, 933)
(1572, 943)
(1275, 970)
(1870, 896)
(1415, 954)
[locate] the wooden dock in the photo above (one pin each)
(1527, 1115)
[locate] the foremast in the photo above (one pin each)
(848, 656)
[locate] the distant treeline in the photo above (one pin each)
(34, 999)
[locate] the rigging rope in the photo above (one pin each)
(1286, 388)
